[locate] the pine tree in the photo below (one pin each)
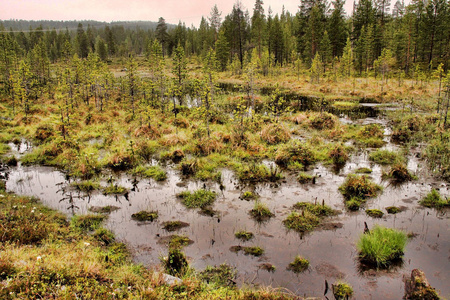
(258, 26)
(337, 29)
(180, 72)
(162, 35)
(222, 50)
(215, 21)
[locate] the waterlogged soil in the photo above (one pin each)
(330, 249)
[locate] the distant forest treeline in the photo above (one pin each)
(408, 36)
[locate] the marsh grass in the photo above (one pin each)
(359, 186)
(301, 222)
(261, 212)
(393, 210)
(199, 199)
(342, 291)
(144, 215)
(381, 246)
(174, 225)
(399, 173)
(434, 200)
(87, 222)
(305, 178)
(299, 264)
(155, 172)
(244, 235)
(386, 157)
(222, 275)
(114, 189)
(254, 251)
(86, 185)
(103, 209)
(374, 213)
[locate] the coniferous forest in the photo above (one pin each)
(259, 155)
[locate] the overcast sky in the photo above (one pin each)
(189, 12)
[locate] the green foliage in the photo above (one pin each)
(175, 263)
(359, 186)
(304, 177)
(374, 213)
(385, 157)
(223, 275)
(254, 251)
(145, 216)
(434, 200)
(114, 189)
(301, 222)
(261, 212)
(155, 172)
(86, 185)
(173, 225)
(393, 210)
(87, 222)
(299, 264)
(381, 246)
(244, 235)
(198, 199)
(342, 291)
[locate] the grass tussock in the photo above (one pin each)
(275, 133)
(222, 275)
(261, 212)
(359, 186)
(299, 264)
(244, 235)
(144, 215)
(199, 199)
(385, 157)
(381, 246)
(434, 200)
(342, 291)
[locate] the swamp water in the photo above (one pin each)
(331, 252)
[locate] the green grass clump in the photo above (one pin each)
(295, 152)
(434, 200)
(299, 264)
(175, 263)
(248, 195)
(275, 133)
(320, 210)
(342, 291)
(86, 185)
(359, 186)
(381, 246)
(155, 172)
(374, 213)
(354, 203)
(301, 222)
(114, 189)
(104, 236)
(393, 210)
(371, 136)
(305, 177)
(399, 173)
(145, 216)
(254, 251)
(223, 275)
(244, 235)
(24, 222)
(339, 154)
(363, 171)
(198, 199)
(179, 241)
(385, 157)
(174, 225)
(87, 222)
(257, 173)
(261, 212)
(103, 209)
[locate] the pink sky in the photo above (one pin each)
(189, 12)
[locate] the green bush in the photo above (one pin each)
(381, 246)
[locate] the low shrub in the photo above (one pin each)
(381, 246)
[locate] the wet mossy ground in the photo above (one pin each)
(145, 216)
